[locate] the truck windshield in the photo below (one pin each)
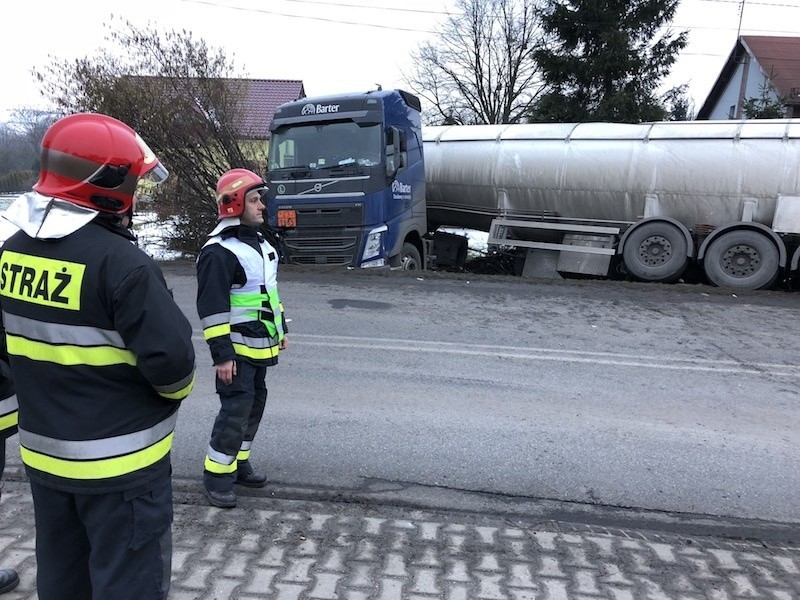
(325, 145)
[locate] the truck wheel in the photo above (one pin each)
(656, 251)
(409, 258)
(742, 259)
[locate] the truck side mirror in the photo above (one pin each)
(391, 163)
(393, 158)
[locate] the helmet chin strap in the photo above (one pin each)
(111, 206)
(106, 204)
(127, 218)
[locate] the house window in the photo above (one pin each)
(732, 111)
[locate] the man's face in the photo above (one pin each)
(253, 214)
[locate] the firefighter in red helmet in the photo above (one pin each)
(96, 162)
(243, 323)
(101, 358)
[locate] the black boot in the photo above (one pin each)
(246, 476)
(220, 499)
(8, 580)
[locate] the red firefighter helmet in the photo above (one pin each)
(232, 187)
(95, 161)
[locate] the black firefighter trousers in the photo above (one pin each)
(115, 546)
(241, 408)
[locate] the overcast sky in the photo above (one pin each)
(331, 45)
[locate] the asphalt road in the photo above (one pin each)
(452, 390)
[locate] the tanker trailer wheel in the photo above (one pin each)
(656, 251)
(409, 258)
(742, 259)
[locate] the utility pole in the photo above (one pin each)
(745, 67)
(741, 14)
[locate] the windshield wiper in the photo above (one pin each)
(348, 167)
(296, 171)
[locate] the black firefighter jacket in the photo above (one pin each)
(101, 357)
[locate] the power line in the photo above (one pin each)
(754, 3)
(433, 12)
(312, 18)
(710, 28)
(373, 7)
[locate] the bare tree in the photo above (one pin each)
(31, 124)
(17, 162)
(182, 97)
(19, 147)
(678, 104)
(481, 69)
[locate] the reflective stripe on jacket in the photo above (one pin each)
(101, 357)
(98, 459)
(8, 416)
(8, 403)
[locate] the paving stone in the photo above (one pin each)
(329, 551)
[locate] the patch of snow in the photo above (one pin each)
(152, 233)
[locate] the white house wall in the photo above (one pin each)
(756, 80)
(726, 105)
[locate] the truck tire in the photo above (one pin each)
(656, 251)
(409, 258)
(742, 259)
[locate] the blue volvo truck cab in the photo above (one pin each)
(347, 182)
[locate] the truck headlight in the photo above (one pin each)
(374, 245)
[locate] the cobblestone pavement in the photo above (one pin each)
(286, 549)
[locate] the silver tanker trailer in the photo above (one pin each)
(650, 197)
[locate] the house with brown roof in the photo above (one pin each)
(260, 98)
(256, 99)
(758, 66)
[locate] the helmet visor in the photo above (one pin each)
(262, 190)
(153, 169)
(157, 174)
(147, 185)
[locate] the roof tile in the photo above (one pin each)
(262, 98)
(778, 58)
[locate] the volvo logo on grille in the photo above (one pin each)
(317, 187)
(281, 189)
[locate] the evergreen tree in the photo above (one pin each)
(606, 60)
(767, 105)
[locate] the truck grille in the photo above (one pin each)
(330, 216)
(326, 234)
(322, 260)
(322, 250)
(322, 244)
